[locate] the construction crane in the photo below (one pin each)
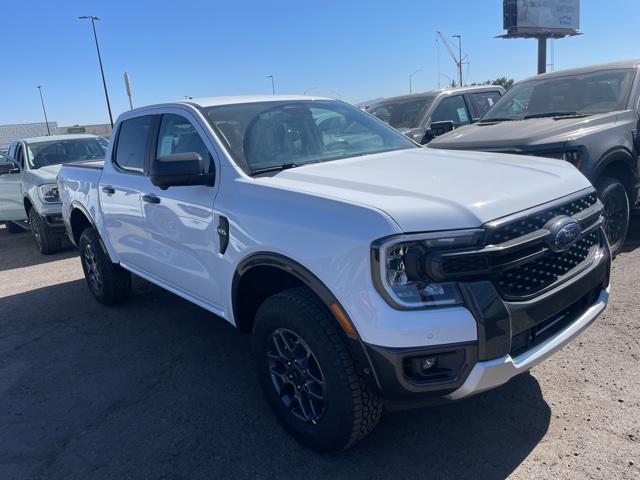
(459, 60)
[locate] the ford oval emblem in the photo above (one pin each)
(564, 232)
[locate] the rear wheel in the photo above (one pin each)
(46, 240)
(616, 211)
(109, 282)
(13, 227)
(308, 375)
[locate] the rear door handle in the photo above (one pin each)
(149, 198)
(109, 190)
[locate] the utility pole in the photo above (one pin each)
(459, 37)
(104, 82)
(273, 85)
(410, 80)
(127, 85)
(44, 110)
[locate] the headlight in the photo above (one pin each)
(49, 193)
(572, 155)
(399, 268)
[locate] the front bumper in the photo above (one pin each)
(512, 338)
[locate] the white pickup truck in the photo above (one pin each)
(28, 189)
(370, 271)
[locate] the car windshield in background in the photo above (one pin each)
(402, 113)
(55, 152)
(586, 94)
(283, 134)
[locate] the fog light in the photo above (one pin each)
(427, 363)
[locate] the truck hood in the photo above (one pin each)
(424, 189)
(43, 175)
(512, 135)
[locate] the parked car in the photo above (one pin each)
(369, 270)
(28, 189)
(424, 116)
(587, 116)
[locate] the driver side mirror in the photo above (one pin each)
(9, 167)
(179, 169)
(437, 129)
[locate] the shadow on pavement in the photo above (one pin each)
(17, 250)
(159, 388)
(633, 235)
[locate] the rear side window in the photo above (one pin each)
(131, 148)
(483, 101)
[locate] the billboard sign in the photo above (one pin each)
(531, 16)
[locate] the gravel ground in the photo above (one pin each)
(159, 388)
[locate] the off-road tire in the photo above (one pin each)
(114, 282)
(616, 211)
(46, 240)
(352, 409)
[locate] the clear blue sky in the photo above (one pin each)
(361, 50)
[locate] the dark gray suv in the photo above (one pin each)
(587, 116)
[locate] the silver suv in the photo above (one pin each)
(424, 116)
(587, 116)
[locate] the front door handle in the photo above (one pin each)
(150, 198)
(109, 190)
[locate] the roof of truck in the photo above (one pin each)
(442, 91)
(53, 138)
(588, 69)
(229, 100)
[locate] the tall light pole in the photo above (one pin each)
(459, 58)
(410, 78)
(273, 85)
(104, 82)
(44, 110)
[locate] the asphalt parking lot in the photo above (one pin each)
(159, 388)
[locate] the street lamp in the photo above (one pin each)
(337, 94)
(273, 85)
(104, 83)
(309, 89)
(410, 77)
(44, 110)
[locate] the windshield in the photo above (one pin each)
(586, 94)
(276, 134)
(402, 113)
(55, 152)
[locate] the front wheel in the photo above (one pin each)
(109, 282)
(47, 241)
(308, 375)
(616, 211)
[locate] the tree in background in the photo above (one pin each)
(505, 82)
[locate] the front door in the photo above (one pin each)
(11, 205)
(180, 242)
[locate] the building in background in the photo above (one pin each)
(11, 133)
(100, 129)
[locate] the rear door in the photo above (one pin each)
(11, 205)
(122, 180)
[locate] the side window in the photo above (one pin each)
(20, 156)
(132, 143)
(483, 101)
(12, 151)
(178, 135)
(452, 109)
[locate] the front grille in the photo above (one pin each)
(535, 276)
(531, 223)
(516, 256)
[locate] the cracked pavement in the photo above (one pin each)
(159, 388)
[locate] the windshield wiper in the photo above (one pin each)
(279, 168)
(497, 119)
(554, 114)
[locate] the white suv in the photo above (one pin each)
(369, 270)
